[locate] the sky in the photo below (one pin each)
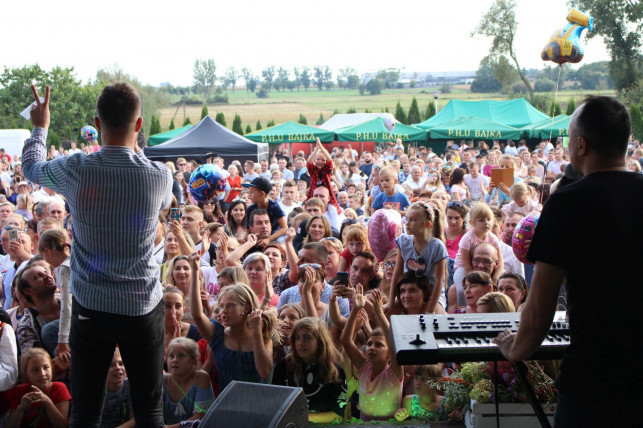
(159, 41)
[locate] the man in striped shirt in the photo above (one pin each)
(114, 196)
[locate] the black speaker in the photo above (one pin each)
(249, 405)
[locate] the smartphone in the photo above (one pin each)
(175, 214)
(13, 235)
(342, 278)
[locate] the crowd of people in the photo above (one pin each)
(276, 282)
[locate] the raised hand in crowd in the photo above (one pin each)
(40, 116)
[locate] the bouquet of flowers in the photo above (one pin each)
(476, 381)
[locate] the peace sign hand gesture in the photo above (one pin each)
(40, 116)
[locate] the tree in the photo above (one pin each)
(236, 124)
(231, 76)
(621, 26)
(503, 71)
(205, 76)
(187, 121)
(220, 118)
(571, 107)
(302, 119)
(271, 123)
(319, 77)
(155, 126)
(500, 23)
(268, 77)
(389, 77)
(248, 129)
(247, 77)
(204, 111)
(430, 110)
(262, 93)
(171, 124)
(485, 80)
(544, 85)
(283, 77)
(351, 110)
(305, 78)
(258, 126)
(374, 86)
(637, 121)
(414, 112)
(328, 78)
(399, 113)
(321, 120)
(252, 84)
(297, 74)
(554, 109)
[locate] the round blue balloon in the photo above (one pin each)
(207, 183)
(89, 133)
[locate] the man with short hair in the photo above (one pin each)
(6, 209)
(300, 167)
(342, 200)
(367, 168)
(74, 149)
(265, 171)
(259, 190)
(313, 253)
(115, 195)
(192, 222)
(553, 167)
(286, 174)
(17, 252)
(599, 281)
(249, 168)
(57, 211)
(288, 195)
(485, 258)
(362, 271)
(314, 207)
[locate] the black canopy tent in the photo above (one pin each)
(208, 138)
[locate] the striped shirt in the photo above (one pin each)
(115, 196)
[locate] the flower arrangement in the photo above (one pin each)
(476, 381)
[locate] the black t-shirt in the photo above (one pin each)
(274, 212)
(330, 397)
(592, 230)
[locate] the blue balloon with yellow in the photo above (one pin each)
(564, 45)
(89, 133)
(208, 182)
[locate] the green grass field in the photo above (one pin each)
(284, 106)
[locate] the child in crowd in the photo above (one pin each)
(521, 201)
(355, 203)
(187, 392)
(117, 409)
(314, 365)
(481, 220)
(39, 401)
(380, 377)
(320, 167)
(259, 190)
(288, 316)
(389, 197)
(426, 404)
(422, 250)
(356, 242)
(242, 344)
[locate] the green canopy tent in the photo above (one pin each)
(467, 127)
(515, 113)
(547, 128)
(157, 139)
(375, 130)
(291, 132)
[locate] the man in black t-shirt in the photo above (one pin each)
(588, 234)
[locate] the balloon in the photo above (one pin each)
(89, 133)
(389, 123)
(208, 182)
(564, 45)
(524, 232)
(385, 225)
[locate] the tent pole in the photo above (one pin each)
(291, 156)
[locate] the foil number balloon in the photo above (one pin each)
(564, 45)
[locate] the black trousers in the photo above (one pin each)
(93, 338)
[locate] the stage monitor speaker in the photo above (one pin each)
(250, 405)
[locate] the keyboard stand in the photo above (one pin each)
(521, 373)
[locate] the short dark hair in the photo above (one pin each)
(606, 125)
(118, 106)
(255, 213)
(367, 255)
(320, 251)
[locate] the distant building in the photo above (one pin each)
(426, 78)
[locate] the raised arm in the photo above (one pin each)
(359, 300)
(323, 151)
(386, 329)
(307, 293)
(202, 322)
(262, 351)
(438, 272)
(234, 258)
(291, 256)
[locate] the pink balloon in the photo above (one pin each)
(524, 232)
(385, 225)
